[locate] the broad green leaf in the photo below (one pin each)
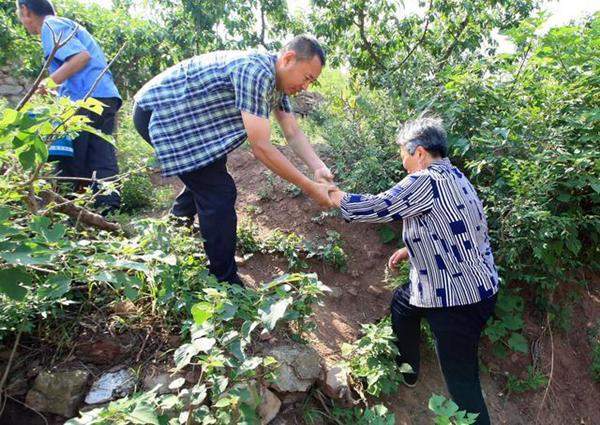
(55, 286)
(386, 234)
(201, 312)
(143, 414)
(517, 342)
(11, 281)
(272, 313)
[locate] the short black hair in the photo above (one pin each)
(38, 7)
(306, 48)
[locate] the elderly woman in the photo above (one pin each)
(453, 279)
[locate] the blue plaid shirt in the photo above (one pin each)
(196, 106)
(444, 230)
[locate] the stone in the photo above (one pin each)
(299, 367)
(269, 406)
(353, 292)
(161, 379)
(17, 385)
(101, 351)
(111, 385)
(58, 392)
(336, 382)
(124, 308)
(7, 90)
(336, 292)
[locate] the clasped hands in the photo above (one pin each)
(324, 191)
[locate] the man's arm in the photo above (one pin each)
(301, 146)
(259, 132)
(72, 66)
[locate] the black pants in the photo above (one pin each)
(184, 205)
(457, 331)
(213, 193)
(92, 154)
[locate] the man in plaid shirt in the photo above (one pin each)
(199, 110)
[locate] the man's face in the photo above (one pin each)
(26, 18)
(296, 75)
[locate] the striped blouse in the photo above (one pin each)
(444, 230)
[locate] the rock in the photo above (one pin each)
(155, 377)
(372, 289)
(353, 292)
(336, 383)
(111, 385)
(7, 90)
(299, 367)
(269, 405)
(124, 308)
(101, 351)
(58, 392)
(17, 385)
(336, 292)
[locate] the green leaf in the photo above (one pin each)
(8, 117)
(143, 414)
(201, 312)
(386, 234)
(55, 286)
(517, 342)
(272, 313)
(11, 281)
(223, 402)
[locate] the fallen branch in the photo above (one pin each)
(85, 216)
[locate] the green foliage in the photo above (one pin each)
(226, 318)
(375, 415)
(137, 193)
(594, 335)
(503, 329)
(372, 359)
(534, 381)
(447, 413)
(292, 246)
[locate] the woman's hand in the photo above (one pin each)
(400, 255)
(336, 195)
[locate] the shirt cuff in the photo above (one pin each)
(346, 215)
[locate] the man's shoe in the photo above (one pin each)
(410, 379)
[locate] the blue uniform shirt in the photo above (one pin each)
(77, 86)
(196, 106)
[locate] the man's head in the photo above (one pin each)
(421, 141)
(32, 13)
(299, 64)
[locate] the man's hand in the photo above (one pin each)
(400, 255)
(319, 192)
(323, 175)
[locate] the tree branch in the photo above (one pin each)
(418, 43)
(451, 48)
(57, 45)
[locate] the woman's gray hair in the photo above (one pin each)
(427, 132)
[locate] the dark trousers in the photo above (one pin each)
(184, 205)
(456, 331)
(213, 193)
(92, 154)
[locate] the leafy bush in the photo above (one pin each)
(372, 359)
(137, 193)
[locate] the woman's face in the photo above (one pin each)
(410, 162)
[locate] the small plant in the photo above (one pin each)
(372, 359)
(534, 381)
(594, 334)
(331, 252)
(447, 413)
(504, 329)
(375, 415)
(137, 193)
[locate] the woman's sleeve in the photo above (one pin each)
(411, 197)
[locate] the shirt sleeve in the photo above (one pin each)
(62, 31)
(411, 197)
(252, 86)
(286, 104)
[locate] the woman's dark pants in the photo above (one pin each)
(213, 193)
(456, 331)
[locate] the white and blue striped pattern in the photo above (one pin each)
(445, 232)
(196, 106)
